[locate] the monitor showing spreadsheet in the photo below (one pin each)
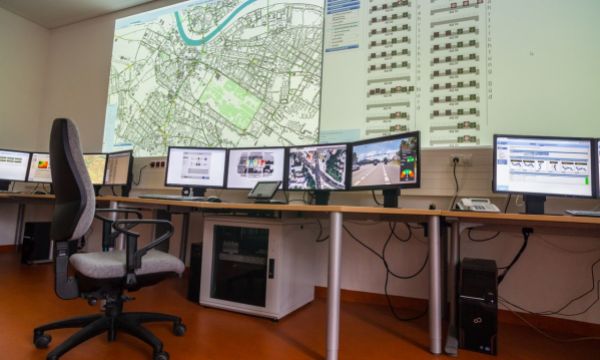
(118, 168)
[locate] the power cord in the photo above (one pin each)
(389, 272)
(526, 233)
(455, 161)
(595, 286)
(493, 236)
(543, 333)
(139, 176)
(321, 232)
(375, 198)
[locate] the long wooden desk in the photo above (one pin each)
(336, 215)
(461, 220)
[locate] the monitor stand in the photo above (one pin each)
(193, 191)
(390, 197)
(97, 190)
(322, 197)
(534, 204)
(4, 185)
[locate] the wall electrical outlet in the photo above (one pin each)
(463, 159)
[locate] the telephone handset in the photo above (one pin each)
(477, 205)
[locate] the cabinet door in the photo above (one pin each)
(240, 265)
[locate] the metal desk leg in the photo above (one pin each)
(19, 226)
(120, 244)
(435, 286)
(334, 285)
(184, 236)
(452, 338)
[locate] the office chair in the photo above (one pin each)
(102, 275)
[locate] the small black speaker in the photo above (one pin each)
(36, 242)
(478, 306)
(195, 273)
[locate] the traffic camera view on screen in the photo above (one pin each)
(544, 166)
(39, 170)
(249, 166)
(317, 168)
(202, 167)
(392, 162)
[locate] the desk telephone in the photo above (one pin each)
(477, 205)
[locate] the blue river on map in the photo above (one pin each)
(207, 38)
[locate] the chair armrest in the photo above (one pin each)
(134, 255)
(109, 237)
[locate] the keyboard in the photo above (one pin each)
(583, 213)
(171, 197)
(10, 192)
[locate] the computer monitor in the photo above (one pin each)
(96, 166)
(246, 167)
(118, 168)
(13, 167)
(321, 168)
(196, 168)
(597, 147)
(537, 167)
(39, 170)
(387, 163)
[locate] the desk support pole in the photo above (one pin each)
(19, 226)
(452, 338)
(120, 245)
(184, 236)
(334, 285)
(435, 286)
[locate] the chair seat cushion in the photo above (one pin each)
(111, 264)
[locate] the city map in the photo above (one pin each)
(232, 73)
(95, 165)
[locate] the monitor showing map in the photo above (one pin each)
(96, 166)
(196, 167)
(249, 166)
(39, 170)
(13, 165)
(216, 73)
(317, 167)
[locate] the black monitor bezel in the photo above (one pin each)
(105, 163)
(129, 169)
(287, 166)
(596, 154)
(195, 185)
(28, 165)
(403, 135)
(495, 165)
(284, 173)
(251, 194)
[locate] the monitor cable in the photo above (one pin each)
(495, 235)
(455, 161)
(375, 198)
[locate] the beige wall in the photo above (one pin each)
(24, 51)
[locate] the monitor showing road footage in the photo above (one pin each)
(318, 167)
(386, 162)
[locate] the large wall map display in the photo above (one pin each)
(232, 73)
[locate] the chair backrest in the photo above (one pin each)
(75, 201)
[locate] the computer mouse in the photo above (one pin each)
(214, 199)
(39, 193)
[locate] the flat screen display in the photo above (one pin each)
(317, 167)
(543, 165)
(96, 165)
(386, 162)
(196, 167)
(117, 168)
(246, 167)
(39, 170)
(13, 165)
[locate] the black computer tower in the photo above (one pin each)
(36, 243)
(195, 272)
(478, 306)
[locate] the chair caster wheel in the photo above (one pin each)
(42, 341)
(179, 329)
(275, 320)
(163, 355)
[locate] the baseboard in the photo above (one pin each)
(7, 249)
(541, 322)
